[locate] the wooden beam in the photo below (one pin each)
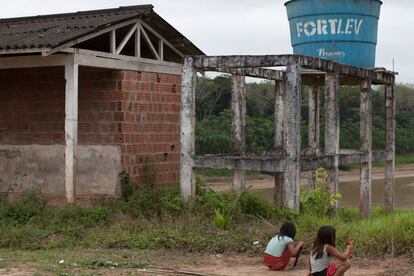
(138, 41)
(149, 43)
(126, 39)
(332, 127)
(238, 125)
(161, 49)
(112, 42)
(187, 176)
(389, 190)
(165, 41)
(88, 36)
(366, 148)
(71, 128)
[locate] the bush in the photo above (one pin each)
(252, 204)
(321, 201)
(22, 210)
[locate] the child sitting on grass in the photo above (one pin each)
(323, 249)
(281, 248)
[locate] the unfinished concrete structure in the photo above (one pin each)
(287, 160)
(87, 95)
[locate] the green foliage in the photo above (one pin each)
(156, 219)
(214, 125)
(155, 202)
(221, 220)
(128, 186)
(23, 210)
(213, 135)
(254, 205)
(321, 201)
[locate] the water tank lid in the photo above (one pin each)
(287, 2)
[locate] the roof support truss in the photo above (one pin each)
(138, 27)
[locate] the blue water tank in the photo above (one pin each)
(340, 30)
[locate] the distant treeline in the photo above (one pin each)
(214, 118)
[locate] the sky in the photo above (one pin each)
(223, 27)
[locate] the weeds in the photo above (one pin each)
(212, 222)
(321, 201)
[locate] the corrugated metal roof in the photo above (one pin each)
(51, 31)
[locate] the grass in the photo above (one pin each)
(118, 233)
(404, 159)
(220, 172)
(400, 159)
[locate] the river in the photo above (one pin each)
(404, 191)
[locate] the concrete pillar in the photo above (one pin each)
(366, 148)
(291, 191)
(238, 124)
(390, 147)
(332, 127)
(187, 177)
(314, 129)
(279, 139)
(71, 128)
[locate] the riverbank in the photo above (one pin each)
(262, 181)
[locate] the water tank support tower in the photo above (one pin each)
(287, 160)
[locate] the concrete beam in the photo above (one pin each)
(187, 177)
(261, 73)
(366, 148)
(212, 63)
(314, 128)
(332, 127)
(128, 63)
(275, 163)
(71, 128)
(265, 164)
(34, 61)
(279, 139)
(292, 143)
(389, 191)
(238, 125)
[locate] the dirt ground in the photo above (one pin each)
(203, 265)
(267, 181)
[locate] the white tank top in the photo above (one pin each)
(322, 263)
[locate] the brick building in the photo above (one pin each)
(85, 96)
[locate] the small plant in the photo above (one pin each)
(321, 201)
(128, 186)
(221, 220)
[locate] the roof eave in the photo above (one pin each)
(24, 51)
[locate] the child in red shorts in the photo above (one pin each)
(323, 248)
(281, 248)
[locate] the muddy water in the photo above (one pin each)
(404, 190)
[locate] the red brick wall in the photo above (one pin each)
(99, 106)
(32, 106)
(151, 126)
(137, 111)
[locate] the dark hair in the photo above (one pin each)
(288, 229)
(326, 235)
